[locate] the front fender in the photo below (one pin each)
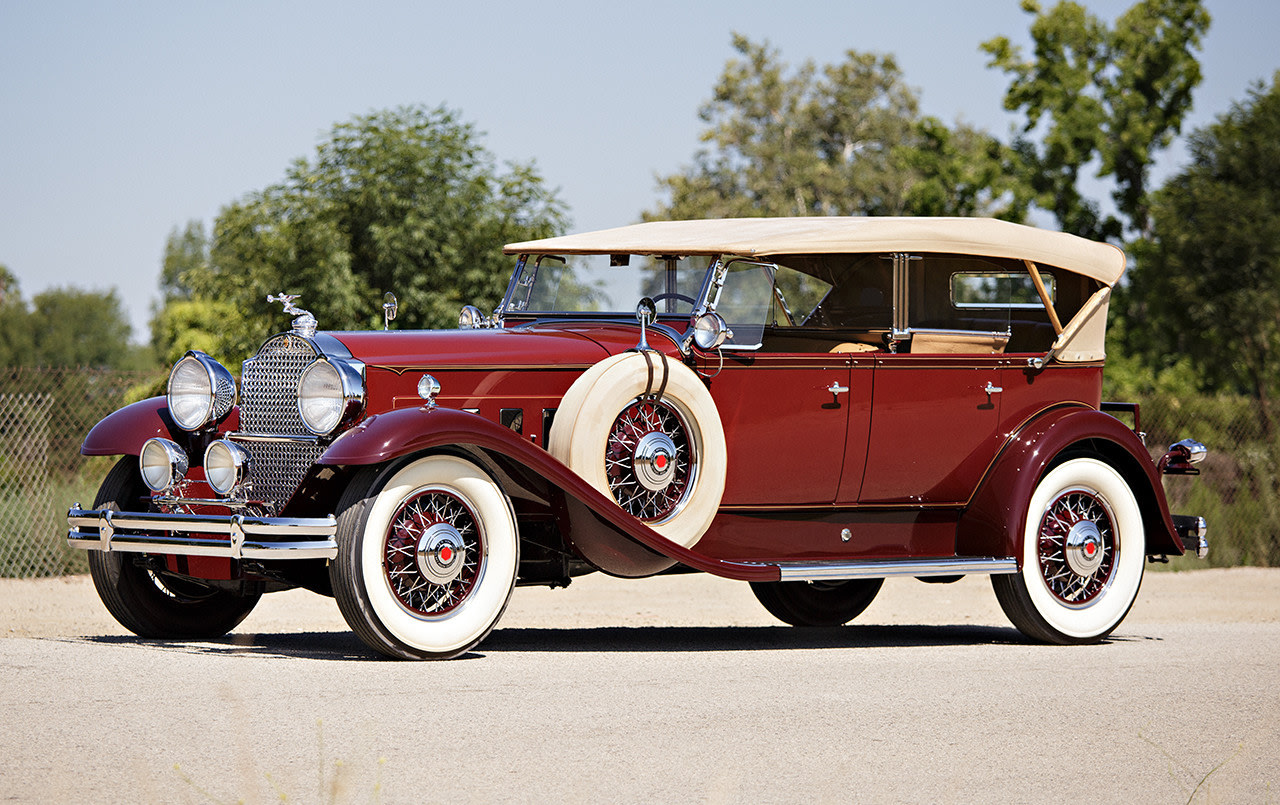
(612, 548)
(123, 432)
(993, 523)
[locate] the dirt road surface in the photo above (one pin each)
(677, 689)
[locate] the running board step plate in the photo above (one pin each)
(887, 568)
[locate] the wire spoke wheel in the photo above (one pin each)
(1077, 548)
(434, 552)
(427, 556)
(1083, 552)
(649, 460)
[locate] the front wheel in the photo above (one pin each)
(154, 604)
(1083, 553)
(816, 603)
(427, 557)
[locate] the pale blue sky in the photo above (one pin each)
(122, 120)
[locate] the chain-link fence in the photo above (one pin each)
(45, 414)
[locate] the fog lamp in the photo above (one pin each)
(162, 463)
(226, 466)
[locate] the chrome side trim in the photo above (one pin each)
(887, 568)
(196, 534)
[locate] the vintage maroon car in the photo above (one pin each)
(809, 405)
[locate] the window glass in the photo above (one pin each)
(603, 283)
(974, 290)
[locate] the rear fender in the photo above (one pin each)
(993, 523)
(597, 528)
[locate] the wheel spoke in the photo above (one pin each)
(409, 527)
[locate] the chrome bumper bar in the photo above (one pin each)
(234, 536)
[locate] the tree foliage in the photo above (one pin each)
(64, 327)
(845, 139)
(1104, 97)
(403, 200)
(1207, 281)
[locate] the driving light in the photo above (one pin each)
(710, 331)
(226, 466)
(162, 464)
(200, 391)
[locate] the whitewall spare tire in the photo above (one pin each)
(661, 457)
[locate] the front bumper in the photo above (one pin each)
(234, 536)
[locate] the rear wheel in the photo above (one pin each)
(427, 557)
(155, 604)
(1083, 554)
(816, 603)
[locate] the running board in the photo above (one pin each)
(886, 568)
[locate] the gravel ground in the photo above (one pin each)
(668, 689)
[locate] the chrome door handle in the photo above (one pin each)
(836, 388)
(990, 389)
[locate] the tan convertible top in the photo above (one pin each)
(760, 237)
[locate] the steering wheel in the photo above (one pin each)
(679, 296)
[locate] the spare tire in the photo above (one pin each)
(660, 457)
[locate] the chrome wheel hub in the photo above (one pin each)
(1084, 548)
(441, 554)
(654, 461)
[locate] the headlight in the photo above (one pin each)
(162, 463)
(226, 466)
(201, 391)
(328, 393)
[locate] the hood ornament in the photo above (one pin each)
(304, 324)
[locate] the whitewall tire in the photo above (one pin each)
(663, 461)
(427, 557)
(1083, 554)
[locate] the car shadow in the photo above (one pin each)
(345, 646)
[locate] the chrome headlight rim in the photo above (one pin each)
(200, 391)
(226, 467)
(335, 396)
(162, 464)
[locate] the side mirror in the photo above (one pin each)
(389, 308)
(646, 313)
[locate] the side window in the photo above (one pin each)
(746, 302)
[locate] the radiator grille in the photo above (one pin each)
(277, 469)
(269, 406)
(269, 387)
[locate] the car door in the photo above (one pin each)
(784, 398)
(936, 408)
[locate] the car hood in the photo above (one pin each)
(532, 345)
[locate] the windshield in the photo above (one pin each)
(605, 283)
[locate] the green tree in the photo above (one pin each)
(81, 328)
(403, 200)
(17, 345)
(846, 139)
(1207, 282)
(1100, 98)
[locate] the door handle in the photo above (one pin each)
(990, 389)
(836, 388)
